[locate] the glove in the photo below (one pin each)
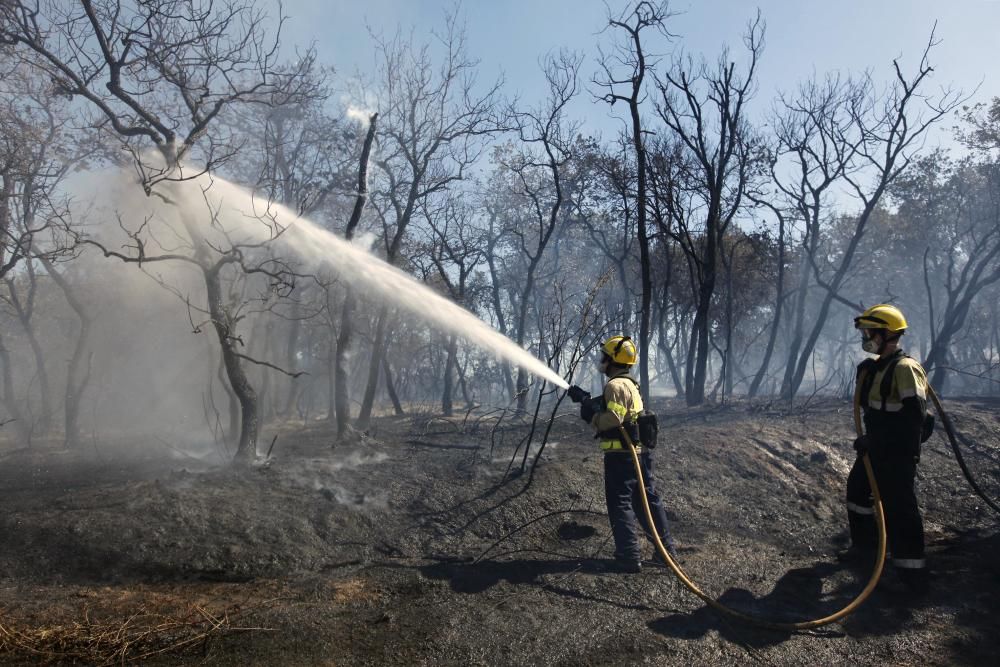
(862, 445)
(577, 394)
(590, 407)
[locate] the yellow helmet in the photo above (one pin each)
(881, 316)
(621, 349)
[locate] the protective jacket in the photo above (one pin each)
(894, 402)
(622, 405)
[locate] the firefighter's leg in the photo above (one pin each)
(655, 503)
(904, 525)
(860, 508)
(619, 485)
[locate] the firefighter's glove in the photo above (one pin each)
(862, 445)
(590, 407)
(577, 394)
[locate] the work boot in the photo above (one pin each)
(915, 580)
(623, 566)
(904, 582)
(658, 559)
(890, 582)
(855, 555)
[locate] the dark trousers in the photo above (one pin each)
(621, 490)
(903, 524)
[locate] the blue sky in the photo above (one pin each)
(803, 37)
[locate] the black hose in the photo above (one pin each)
(950, 430)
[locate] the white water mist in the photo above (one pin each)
(242, 218)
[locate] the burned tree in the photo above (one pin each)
(948, 222)
(547, 136)
(346, 333)
(876, 137)
(707, 111)
(454, 248)
(158, 74)
(36, 152)
(432, 125)
(633, 57)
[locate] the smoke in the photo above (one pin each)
(320, 472)
(150, 369)
(358, 114)
(237, 217)
(360, 106)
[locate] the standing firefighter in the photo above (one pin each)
(893, 395)
(621, 406)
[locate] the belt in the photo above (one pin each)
(610, 446)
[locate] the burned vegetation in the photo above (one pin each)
(283, 353)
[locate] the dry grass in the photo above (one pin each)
(138, 637)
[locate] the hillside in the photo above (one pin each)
(410, 546)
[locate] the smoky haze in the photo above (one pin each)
(415, 238)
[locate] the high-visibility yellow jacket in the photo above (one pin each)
(894, 407)
(622, 405)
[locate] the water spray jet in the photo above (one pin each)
(234, 212)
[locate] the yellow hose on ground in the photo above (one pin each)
(747, 618)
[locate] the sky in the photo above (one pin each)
(803, 37)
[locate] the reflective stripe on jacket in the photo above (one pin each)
(894, 406)
(623, 403)
(909, 379)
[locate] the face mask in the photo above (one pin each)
(870, 345)
(602, 365)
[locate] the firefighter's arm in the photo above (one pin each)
(616, 398)
(911, 382)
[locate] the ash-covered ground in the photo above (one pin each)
(420, 543)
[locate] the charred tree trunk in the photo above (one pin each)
(779, 301)
(331, 367)
(222, 322)
(291, 360)
(375, 363)
(640, 209)
(232, 434)
(24, 312)
(508, 377)
(701, 348)
(9, 397)
(449, 376)
(798, 330)
(77, 377)
(342, 356)
(390, 388)
(266, 398)
(341, 387)
(246, 448)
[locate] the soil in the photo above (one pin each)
(421, 542)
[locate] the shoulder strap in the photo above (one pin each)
(885, 388)
(866, 384)
(632, 379)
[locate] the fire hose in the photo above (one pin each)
(958, 454)
(761, 622)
